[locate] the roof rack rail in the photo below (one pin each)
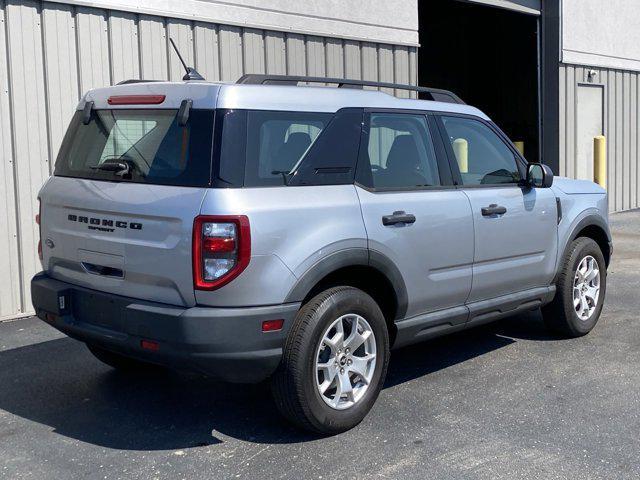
(135, 80)
(432, 93)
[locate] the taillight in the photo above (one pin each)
(221, 249)
(39, 230)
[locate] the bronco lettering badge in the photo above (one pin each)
(104, 224)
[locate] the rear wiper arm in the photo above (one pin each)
(119, 168)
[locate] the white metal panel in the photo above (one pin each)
(296, 55)
(352, 60)
(253, 49)
(61, 71)
(316, 61)
(93, 48)
(231, 63)
(335, 58)
(275, 52)
(389, 21)
(369, 56)
(123, 35)
(207, 53)
(401, 69)
(181, 31)
(10, 301)
(386, 70)
(153, 54)
(30, 146)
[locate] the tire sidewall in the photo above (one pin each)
(584, 248)
(341, 303)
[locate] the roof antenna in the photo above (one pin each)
(191, 74)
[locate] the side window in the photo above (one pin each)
(400, 151)
(482, 157)
(277, 142)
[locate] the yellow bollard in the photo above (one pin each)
(520, 146)
(461, 150)
(600, 160)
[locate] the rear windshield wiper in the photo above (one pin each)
(116, 167)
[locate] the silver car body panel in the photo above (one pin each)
(434, 254)
(292, 228)
(155, 260)
(515, 251)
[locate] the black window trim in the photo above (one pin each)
(521, 163)
(442, 162)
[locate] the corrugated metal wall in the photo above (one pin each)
(50, 53)
(621, 127)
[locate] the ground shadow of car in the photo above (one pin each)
(58, 383)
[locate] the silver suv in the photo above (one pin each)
(268, 230)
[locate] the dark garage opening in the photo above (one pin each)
(489, 57)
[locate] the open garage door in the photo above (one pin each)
(489, 57)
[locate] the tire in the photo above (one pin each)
(120, 362)
(561, 315)
(295, 385)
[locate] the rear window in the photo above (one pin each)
(149, 142)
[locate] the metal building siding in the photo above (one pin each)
(51, 53)
(621, 120)
(10, 296)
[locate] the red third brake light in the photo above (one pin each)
(135, 99)
(221, 249)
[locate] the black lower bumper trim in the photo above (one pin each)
(226, 343)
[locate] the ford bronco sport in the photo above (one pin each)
(268, 230)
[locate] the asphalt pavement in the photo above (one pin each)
(503, 401)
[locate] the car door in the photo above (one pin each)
(413, 214)
(515, 225)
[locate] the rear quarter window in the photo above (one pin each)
(273, 148)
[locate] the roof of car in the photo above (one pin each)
(267, 97)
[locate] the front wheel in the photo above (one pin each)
(580, 290)
(334, 361)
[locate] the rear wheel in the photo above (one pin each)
(334, 361)
(580, 290)
(120, 362)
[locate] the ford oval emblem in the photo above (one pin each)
(49, 243)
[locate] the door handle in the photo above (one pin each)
(493, 209)
(398, 217)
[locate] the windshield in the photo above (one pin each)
(141, 146)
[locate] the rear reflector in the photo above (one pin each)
(272, 325)
(136, 99)
(150, 345)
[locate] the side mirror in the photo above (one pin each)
(539, 175)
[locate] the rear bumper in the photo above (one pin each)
(226, 343)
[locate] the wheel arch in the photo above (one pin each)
(368, 270)
(591, 226)
(596, 228)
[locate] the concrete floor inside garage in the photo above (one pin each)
(503, 401)
(489, 57)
